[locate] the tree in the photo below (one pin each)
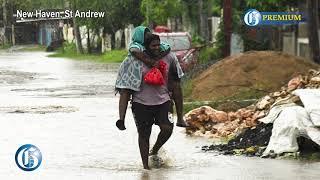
(158, 11)
(74, 5)
(5, 20)
(118, 14)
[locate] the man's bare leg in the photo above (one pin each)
(144, 136)
(164, 135)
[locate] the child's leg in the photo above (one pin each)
(123, 104)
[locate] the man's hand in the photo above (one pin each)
(151, 63)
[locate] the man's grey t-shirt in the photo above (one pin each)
(153, 94)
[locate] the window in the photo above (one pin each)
(177, 43)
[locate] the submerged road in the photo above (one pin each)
(68, 110)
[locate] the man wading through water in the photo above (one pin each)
(151, 105)
(130, 74)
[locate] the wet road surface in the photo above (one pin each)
(68, 110)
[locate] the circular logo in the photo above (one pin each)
(28, 157)
(252, 17)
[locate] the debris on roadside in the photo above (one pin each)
(244, 124)
(250, 142)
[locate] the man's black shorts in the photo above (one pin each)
(145, 116)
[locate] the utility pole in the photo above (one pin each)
(313, 24)
(203, 14)
(227, 22)
(13, 38)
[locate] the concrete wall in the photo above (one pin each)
(215, 21)
(68, 33)
(128, 34)
(236, 44)
(106, 39)
(289, 41)
(297, 45)
(47, 33)
(118, 37)
(106, 43)
(303, 49)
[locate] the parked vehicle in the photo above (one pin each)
(180, 43)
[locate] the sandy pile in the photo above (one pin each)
(248, 73)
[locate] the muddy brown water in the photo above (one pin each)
(68, 110)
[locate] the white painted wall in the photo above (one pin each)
(106, 41)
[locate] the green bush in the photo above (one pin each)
(208, 54)
(68, 48)
(187, 89)
(197, 40)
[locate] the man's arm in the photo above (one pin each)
(178, 99)
(142, 57)
(174, 85)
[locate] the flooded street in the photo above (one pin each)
(68, 110)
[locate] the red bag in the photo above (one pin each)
(154, 77)
(163, 68)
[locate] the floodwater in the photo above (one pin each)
(68, 110)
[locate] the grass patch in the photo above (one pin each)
(243, 98)
(114, 55)
(34, 48)
(187, 89)
(5, 46)
(247, 93)
(69, 51)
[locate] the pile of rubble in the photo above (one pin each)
(206, 121)
(250, 142)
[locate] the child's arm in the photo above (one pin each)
(142, 57)
(165, 52)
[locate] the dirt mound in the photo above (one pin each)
(247, 75)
